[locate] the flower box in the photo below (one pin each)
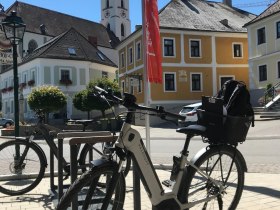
(4, 90)
(10, 88)
(22, 85)
(31, 82)
(65, 81)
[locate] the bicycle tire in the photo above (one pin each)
(84, 157)
(19, 181)
(199, 187)
(83, 184)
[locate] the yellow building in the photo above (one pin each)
(203, 45)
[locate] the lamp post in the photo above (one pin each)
(14, 29)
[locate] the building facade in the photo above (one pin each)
(264, 49)
(203, 44)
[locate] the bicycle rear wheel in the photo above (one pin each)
(25, 177)
(91, 194)
(223, 165)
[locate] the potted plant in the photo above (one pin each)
(22, 85)
(31, 82)
(10, 88)
(4, 90)
(65, 81)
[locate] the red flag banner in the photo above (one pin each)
(152, 35)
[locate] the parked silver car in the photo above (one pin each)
(189, 111)
(6, 122)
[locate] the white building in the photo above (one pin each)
(48, 54)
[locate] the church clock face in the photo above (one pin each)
(107, 13)
(123, 14)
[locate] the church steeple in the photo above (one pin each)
(115, 16)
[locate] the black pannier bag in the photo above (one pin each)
(227, 116)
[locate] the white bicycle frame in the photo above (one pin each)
(131, 140)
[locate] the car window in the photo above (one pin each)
(187, 109)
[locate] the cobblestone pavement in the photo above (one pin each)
(261, 191)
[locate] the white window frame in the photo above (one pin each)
(33, 72)
(138, 54)
(174, 47)
(241, 48)
(190, 49)
(201, 83)
(175, 82)
(24, 77)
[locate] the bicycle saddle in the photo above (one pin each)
(193, 129)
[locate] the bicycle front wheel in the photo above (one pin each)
(91, 193)
(224, 166)
(18, 179)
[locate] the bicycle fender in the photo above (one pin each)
(99, 163)
(43, 153)
(225, 147)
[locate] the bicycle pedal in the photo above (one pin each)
(167, 183)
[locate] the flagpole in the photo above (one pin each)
(146, 81)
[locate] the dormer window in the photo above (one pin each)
(72, 51)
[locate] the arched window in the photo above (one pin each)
(122, 30)
(107, 4)
(122, 4)
(108, 26)
(32, 45)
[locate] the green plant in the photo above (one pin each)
(46, 99)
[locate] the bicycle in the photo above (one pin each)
(23, 161)
(213, 178)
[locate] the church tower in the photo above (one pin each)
(115, 16)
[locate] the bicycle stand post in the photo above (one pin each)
(137, 190)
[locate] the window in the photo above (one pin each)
(131, 86)
(195, 48)
(196, 82)
(278, 65)
(12, 106)
(32, 45)
(107, 4)
(104, 74)
(168, 47)
(223, 79)
(169, 82)
(261, 35)
(122, 30)
(130, 55)
(122, 4)
(71, 51)
(262, 73)
(33, 75)
(138, 50)
(237, 51)
(123, 86)
(64, 75)
(100, 56)
(122, 60)
(278, 29)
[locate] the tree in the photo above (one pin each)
(87, 100)
(81, 102)
(46, 99)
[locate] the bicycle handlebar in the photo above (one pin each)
(129, 102)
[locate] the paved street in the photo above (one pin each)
(261, 151)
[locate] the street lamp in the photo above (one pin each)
(14, 29)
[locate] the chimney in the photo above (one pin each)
(228, 2)
(93, 40)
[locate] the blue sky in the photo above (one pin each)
(90, 9)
